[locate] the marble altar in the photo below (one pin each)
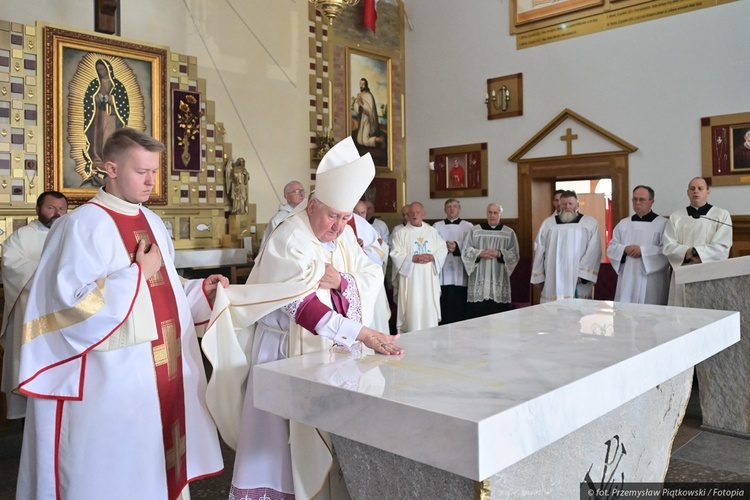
(723, 379)
(545, 397)
(210, 257)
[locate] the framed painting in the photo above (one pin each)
(186, 131)
(725, 149)
(458, 171)
(94, 85)
(527, 11)
(369, 92)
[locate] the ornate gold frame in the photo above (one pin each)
(377, 70)
(70, 58)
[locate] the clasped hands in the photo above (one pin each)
(633, 251)
(489, 253)
(422, 258)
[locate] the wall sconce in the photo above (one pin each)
(332, 8)
(504, 96)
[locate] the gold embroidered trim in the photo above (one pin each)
(54, 321)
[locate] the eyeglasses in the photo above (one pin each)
(640, 200)
(295, 191)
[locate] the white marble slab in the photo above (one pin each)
(210, 257)
(475, 397)
(727, 268)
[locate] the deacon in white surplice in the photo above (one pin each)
(21, 253)
(699, 233)
(312, 288)
(453, 278)
(636, 253)
(568, 252)
(110, 358)
(418, 253)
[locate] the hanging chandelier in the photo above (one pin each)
(332, 8)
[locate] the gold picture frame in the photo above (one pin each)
(369, 92)
(93, 85)
(458, 171)
(725, 149)
(528, 11)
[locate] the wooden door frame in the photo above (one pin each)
(612, 165)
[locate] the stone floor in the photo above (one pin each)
(697, 456)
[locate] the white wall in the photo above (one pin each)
(255, 61)
(649, 84)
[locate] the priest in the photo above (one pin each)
(636, 253)
(418, 253)
(110, 358)
(312, 288)
(21, 253)
(698, 233)
(567, 253)
(490, 256)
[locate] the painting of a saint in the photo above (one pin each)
(456, 172)
(369, 97)
(741, 149)
(104, 94)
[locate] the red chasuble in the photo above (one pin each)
(167, 353)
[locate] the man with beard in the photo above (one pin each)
(368, 131)
(21, 253)
(567, 253)
(699, 233)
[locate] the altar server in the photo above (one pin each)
(636, 253)
(698, 233)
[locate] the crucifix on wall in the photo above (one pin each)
(569, 138)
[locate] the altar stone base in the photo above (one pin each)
(629, 444)
(724, 379)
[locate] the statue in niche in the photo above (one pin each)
(236, 177)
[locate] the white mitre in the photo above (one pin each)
(343, 176)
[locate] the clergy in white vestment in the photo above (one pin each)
(698, 233)
(110, 358)
(380, 226)
(567, 256)
(377, 250)
(21, 253)
(636, 253)
(418, 253)
(490, 256)
(453, 277)
(312, 288)
(294, 194)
